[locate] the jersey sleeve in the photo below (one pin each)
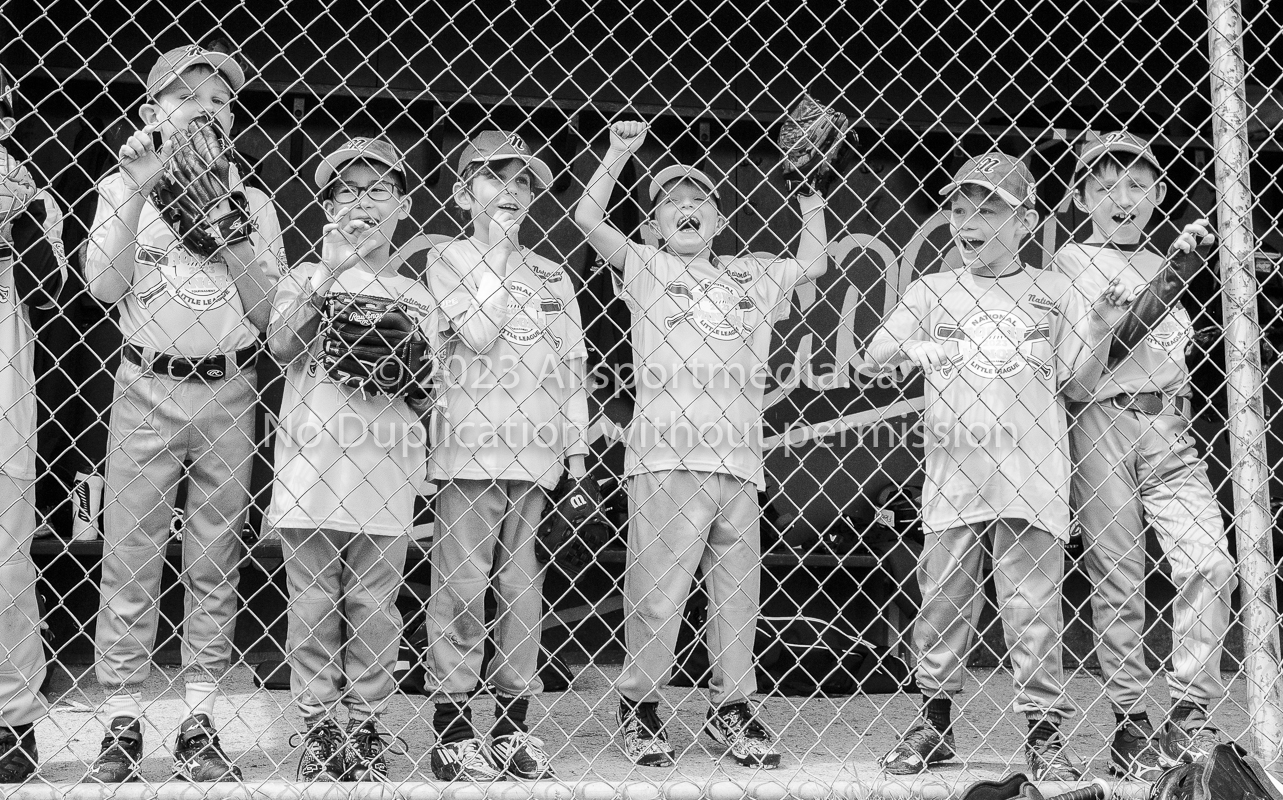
(269, 243)
(639, 283)
(107, 234)
(907, 322)
(1081, 340)
(781, 276)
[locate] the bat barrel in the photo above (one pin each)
(1098, 790)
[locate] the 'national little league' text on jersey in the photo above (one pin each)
(994, 426)
(701, 340)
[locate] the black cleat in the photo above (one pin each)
(198, 757)
(18, 756)
(323, 751)
(122, 749)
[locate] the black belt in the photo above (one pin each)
(1153, 404)
(6, 251)
(213, 368)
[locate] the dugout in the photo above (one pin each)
(715, 91)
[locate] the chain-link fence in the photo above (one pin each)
(284, 456)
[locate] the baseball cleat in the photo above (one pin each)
(522, 756)
(1132, 753)
(1050, 760)
(921, 748)
(122, 749)
(745, 737)
(463, 761)
(198, 757)
(643, 738)
(18, 756)
(322, 758)
(1188, 740)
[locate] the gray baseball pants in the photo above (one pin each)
(22, 655)
(344, 626)
(157, 425)
(1132, 470)
(678, 522)
(485, 528)
(1028, 570)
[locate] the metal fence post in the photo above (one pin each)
(1250, 470)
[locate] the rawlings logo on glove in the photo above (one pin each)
(195, 196)
(814, 141)
(574, 529)
(371, 344)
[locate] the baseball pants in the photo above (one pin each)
(157, 425)
(485, 528)
(678, 522)
(344, 628)
(1028, 570)
(22, 654)
(1132, 470)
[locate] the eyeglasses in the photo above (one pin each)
(378, 192)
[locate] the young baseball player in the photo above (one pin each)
(1136, 465)
(701, 337)
(998, 340)
(512, 410)
(32, 271)
(192, 307)
(350, 455)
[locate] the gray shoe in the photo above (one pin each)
(921, 748)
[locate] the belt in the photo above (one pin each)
(1151, 403)
(5, 251)
(213, 368)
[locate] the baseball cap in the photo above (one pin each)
(500, 146)
(1005, 175)
(7, 85)
(174, 62)
(364, 149)
(681, 172)
(1116, 142)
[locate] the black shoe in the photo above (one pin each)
(1189, 740)
(1050, 760)
(18, 756)
(1132, 754)
(644, 740)
(919, 749)
(198, 757)
(323, 750)
(522, 756)
(366, 751)
(122, 749)
(745, 737)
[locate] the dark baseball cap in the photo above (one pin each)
(1004, 175)
(177, 61)
(1116, 142)
(361, 149)
(490, 146)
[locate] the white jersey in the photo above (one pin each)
(1157, 364)
(345, 460)
(180, 303)
(17, 364)
(701, 340)
(517, 408)
(994, 433)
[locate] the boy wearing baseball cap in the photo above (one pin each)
(185, 395)
(32, 271)
(701, 337)
(511, 416)
(1137, 466)
(998, 341)
(350, 454)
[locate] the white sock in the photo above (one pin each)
(122, 703)
(200, 698)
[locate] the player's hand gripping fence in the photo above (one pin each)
(206, 508)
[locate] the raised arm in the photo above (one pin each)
(590, 214)
(1156, 299)
(110, 249)
(813, 245)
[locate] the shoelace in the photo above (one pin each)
(533, 747)
(648, 719)
(329, 734)
(369, 741)
(922, 736)
(738, 718)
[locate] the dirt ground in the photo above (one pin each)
(827, 742)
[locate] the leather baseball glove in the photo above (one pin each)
(371, 344)
(814, 140)
(16, 192)
(195, 197)
(573, 530)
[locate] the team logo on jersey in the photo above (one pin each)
(193, 282)
(740, 276)
(1170, 335)
(718, 310)
(1042, 303)
(549, 275)
(996, 344)
(531, 316)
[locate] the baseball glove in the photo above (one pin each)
(371, 344)
(195, 196)
(16, 192)
(573, 528)
(814, 140)
(1227, 772)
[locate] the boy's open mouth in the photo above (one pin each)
(1123, 217)
(969, 244)
(688, 224)
(511, 208)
